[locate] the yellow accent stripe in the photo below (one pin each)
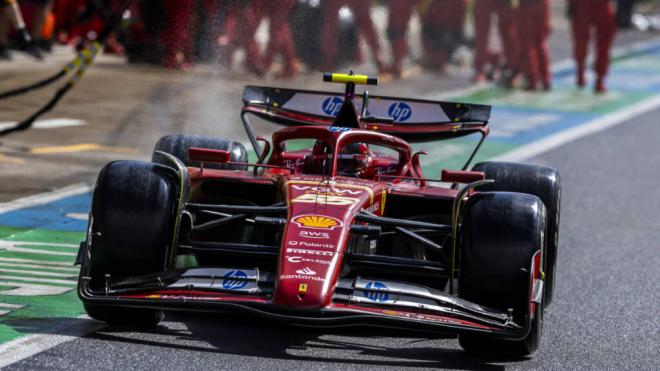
(346, 78)
(11, 160)
(81, 148)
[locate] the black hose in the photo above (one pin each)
(35, 86)
(82, 61)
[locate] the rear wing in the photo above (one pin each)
(410, 119)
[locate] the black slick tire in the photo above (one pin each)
(501, 233)
(543, 182)
(132, 225)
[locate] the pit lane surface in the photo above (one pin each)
(604, 315)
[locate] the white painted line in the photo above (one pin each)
(30, 243)
(37, 261)
(72, 269)
(39, 273)
(11, 306)
(4, 279)
(47, 124)
(44, 198)
(34, 251)
(28, 346)
(33, 289)
(569, 135)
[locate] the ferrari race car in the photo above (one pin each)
(332, 224)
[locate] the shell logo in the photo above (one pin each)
(317, 221)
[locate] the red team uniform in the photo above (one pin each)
(484, 10)
(534, 30)
(361, 10)
(599, 15)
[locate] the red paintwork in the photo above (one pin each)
(322, 207)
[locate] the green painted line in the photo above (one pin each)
(39, 312)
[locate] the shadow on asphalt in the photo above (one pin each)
(250, 337)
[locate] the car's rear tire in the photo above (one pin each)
(178, 146)
(132, 229)
(501, 233)
(543, 182)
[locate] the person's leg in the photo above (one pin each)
(281, 38)
(176, 36)
(482, 24)
(530, 28)
(507, 24)
(229, 37)
(545, 18)
(400, 12)
(362, 11)
(581, 23)
(255, 13)
(4, 32)
(329, 38)
(605, 32)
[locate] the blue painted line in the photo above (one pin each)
(51, 216)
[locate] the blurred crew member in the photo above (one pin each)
(442, 31)
(280, 37)
(11, 18)
(361, 12)
(240, 25)
(484, 10)
(176, 36)
(400, 12)
(598, 14)
(535, 28)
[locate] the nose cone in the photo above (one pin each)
(310, 259)
(320, 213)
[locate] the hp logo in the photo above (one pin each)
(331, 105)
(399, 111)
(376, 295)
(234, 280)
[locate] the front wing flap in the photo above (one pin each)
(357, 301)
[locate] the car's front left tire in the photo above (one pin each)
(131, 232)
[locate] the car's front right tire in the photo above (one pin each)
(502, 233)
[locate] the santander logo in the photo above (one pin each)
(306, 271)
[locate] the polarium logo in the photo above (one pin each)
(332, 105)
(376, 291)
(399, 111)
(234, 280)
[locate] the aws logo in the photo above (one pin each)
(332, 105)
(317, 222)
(399, 111)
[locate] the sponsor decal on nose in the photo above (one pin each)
(306, 271)
(317, 221)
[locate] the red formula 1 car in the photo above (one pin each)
(333, 224)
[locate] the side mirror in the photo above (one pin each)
(209, 155)
(460, 176)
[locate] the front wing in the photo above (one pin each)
(357, 301)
